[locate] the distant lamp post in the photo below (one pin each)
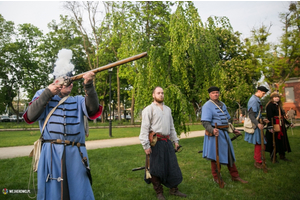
(110, 120)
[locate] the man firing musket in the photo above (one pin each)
(66, 80)
(63, 167)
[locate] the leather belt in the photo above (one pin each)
(65, 142)
(220, 127)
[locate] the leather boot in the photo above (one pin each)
(217, 181)
(282, 157)
(258, 165)
(276, 161)
(175, 191)
(157, 187)
(160, 196)
(239, 179)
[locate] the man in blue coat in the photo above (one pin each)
(63, 169)
(215, 111)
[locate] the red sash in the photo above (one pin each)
(277, 122)
(163, 137)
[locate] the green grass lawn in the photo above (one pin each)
(19, 138)
(114, 180)
(24, 125)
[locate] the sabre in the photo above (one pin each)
(66, 81)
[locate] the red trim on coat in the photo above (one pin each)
(25, 117)
(95, 116)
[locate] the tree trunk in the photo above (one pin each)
(102, 115)
(118, 94)
(132, 110)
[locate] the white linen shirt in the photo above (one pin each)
(159, 121)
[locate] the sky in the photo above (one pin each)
(243, 15)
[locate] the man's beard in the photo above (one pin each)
(158, 100)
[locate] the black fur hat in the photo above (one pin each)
(213, 88)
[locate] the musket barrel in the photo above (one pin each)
(120, 62)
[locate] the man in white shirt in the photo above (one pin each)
(164, 167)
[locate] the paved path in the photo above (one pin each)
(19, 151)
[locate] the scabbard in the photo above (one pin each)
(147, 167)
(65, 188)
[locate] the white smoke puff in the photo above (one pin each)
(63, 64)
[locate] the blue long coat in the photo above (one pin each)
(211, 113)
(254, 103)
(66, 123)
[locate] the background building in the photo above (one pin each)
(292, 95)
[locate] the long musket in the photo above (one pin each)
(263, 157)
(233, 138)
(68, 80)
(220, 180)
(274, 144)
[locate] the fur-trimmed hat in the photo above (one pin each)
(274, 94)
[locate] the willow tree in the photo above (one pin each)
(207, 54)
(235, 68)
(192, 56)
(146, 30)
